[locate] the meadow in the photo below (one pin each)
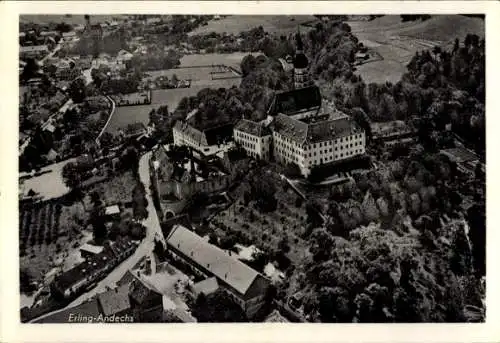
(200, 78)
(397, 41)
(270, 23)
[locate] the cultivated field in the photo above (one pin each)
(270, 23)
(49, 236)
(230, 60)
(397, 41)
(195, 74)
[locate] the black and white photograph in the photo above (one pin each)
(252, 168)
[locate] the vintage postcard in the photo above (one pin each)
(279, 166)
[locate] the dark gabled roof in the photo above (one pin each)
(293, 129)
(226, 268)
(215, 134)
(83, 270)
(252, 128)
(141, 294)
(300, 61)
(114, 301)
(329, 129)
(296, 100)
(303, 133)
(191, 131)
(126, 279)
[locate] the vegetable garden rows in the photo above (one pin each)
(38, 224)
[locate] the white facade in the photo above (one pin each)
(309, 155)
(255, 146)
(196, 140)
(301, 78)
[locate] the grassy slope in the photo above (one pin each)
(236, 24)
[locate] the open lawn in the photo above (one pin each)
(49, 184)
(235, 24)
(398, 41)
(195, 74)
(201, 78)
(230, 60)
(118, 189)
(124, 116)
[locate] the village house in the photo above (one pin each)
(210, 141)
(115, 302)
(245, 285)
(33, 51)
(147, 303)
(84, 275)
(89, 250)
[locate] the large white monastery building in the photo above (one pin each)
(298, 130)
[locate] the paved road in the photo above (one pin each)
(153, 227)
(111, 113)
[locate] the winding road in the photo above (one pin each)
(153, 230)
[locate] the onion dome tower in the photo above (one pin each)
(301, 77)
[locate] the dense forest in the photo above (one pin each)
(440, 87)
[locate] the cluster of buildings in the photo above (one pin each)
(96, 266)
(298, 129)
(218, 270)
(131, 301)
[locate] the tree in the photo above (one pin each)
(248, 64)
(334, 305)
(30, 69)
(63, 27)
(26, 282)
(218, 307)
(263, 192)
(292, 170)
(77, 90)
(130, 160)
(72, 175)
(97, 220)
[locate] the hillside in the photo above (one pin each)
(444, 28)
(397, 41)
(273, 24)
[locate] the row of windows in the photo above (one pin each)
(248, 145)
(332, 158)
(246, 136)
(341, 147)
(339, 140)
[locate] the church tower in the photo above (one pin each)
(301, 76)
